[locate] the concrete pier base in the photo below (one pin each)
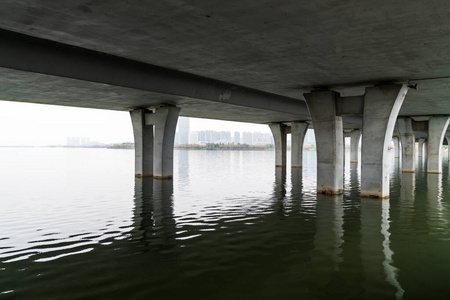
(437, 127)
(298, 132)
(408, 144)
(143, 144)
(154, 134)
(381, 107)
(279, 137)
(329, 141)
(355, 136)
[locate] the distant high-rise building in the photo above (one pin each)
(237, 137)
(209, 136)
(247, 138)
(193, 137)
(258, 138)
(183, 129)
(202, 136)
(268, 138)
(225, 137)
(216, 136)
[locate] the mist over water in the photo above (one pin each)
(76, 224)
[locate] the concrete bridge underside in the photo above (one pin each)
(247, 61)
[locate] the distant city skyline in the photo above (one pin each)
(185, 136)
(30, 124)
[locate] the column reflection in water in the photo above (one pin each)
(327, 253)
(436, 214)
(296, 180)
(153, 213)
(279, 190)
(407, 198)
(380, 276)
(280, 183)
(389, 269)
(420, 162)
(351, 268)
(182, 160)
(354, 185)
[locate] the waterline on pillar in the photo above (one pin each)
(143, 175)
(158, 177)
(327, 190)
(434, 172)
(374, 195)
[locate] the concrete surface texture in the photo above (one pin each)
(437, 127)
(143, 144)
(166, 119)
(298, 133)
(381, 107)
(280, 140)
(420, 147)
(408, 140)
(355, 136)
(284, 48)
(396, 147)
(329, 141)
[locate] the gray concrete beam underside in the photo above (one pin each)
(37, 70)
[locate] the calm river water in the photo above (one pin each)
(76, 224)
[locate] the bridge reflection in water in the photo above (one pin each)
(284, 242)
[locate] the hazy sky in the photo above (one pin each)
(39, 125)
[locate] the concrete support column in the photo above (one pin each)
(279, 137)
(143, 144)
(298, 132)
(328, 130)
(381, 107)
(437, 127)
(448, 143)
(165, 121)
(355, 136)
(396, 146)
(154, 135)
(408, 144)
(420, 147)
(425, 150)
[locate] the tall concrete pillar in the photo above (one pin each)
(343, 149)
(329, 141)
(165, 121)
(420, 147)
(355, 136)
(279, 137)
(381, 107)
(143, 144)
(408, 144)
(298, 132)
(425, 150)
(437, 127)
(447, 136)
(396, 146)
